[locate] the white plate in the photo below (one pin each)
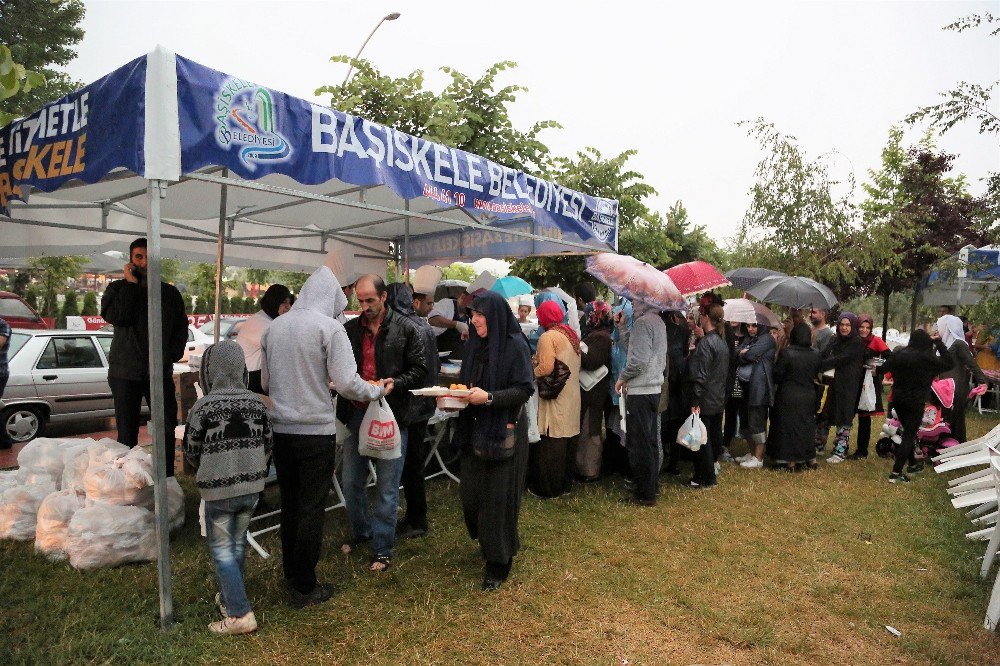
(443, 354)
(440, 391)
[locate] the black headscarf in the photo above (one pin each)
(801, 336)
(920, 340)
(507, 359)
(273, 298)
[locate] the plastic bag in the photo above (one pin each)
(107, 535)
(41, 460)
(692, 434)
(379, 435)
(78, 460)
(125, 481)
(52, 526)
(532, 408)
(8, 479)
(19, 510)
(175, 503)
(868, 401)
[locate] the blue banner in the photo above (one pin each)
(255, 131)
(81, 136)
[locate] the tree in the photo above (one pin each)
(795, 223)
(916, 217)
(90, 307)
(291, 279)
(170, 269)
(71, 305)
(53, 272)
(15, 79)
(31, 297)
(21, 282)
(459, 271)
(41, 35)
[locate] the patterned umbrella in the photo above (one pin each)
(510, 286)
(741, 310)
(695, 277)
(793, 292)
(636, 280)
(745, 278)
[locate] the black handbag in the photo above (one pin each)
(551, 385)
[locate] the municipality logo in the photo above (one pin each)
(244, 116)
(602, 222)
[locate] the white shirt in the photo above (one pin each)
(444, 308)
(249, 336)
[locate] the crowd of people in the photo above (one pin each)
(591, 389)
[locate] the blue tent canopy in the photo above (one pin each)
(969, 276)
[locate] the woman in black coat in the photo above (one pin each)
(793, 423)
(963, 370)
(492, 433)
(589, 448)
(846, 356)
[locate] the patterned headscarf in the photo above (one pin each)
(600, 315)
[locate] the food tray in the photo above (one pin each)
(441, 391)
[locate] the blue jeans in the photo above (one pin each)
(380, 528)
(226, 523)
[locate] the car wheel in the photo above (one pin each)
(21, 423)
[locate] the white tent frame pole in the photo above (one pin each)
(261, 187)
(220, 255)
(157, 190)
(406, 247)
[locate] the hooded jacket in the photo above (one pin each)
(306, 350)
(125, 306)
(400, 299)
(647, 352)
(228, 435)
(709, 370)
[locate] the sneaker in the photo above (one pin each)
(322, 592)
(898, 478)
(718, 469)
(235, 625)
(222, 606)
(727, 456)
(835, 458)
(915, 467)
(753, 463)
(744, 458)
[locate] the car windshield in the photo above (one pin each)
(17, 341)
(12, 307)
(225, 325)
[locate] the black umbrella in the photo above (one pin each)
(744, 278)
(794, 292)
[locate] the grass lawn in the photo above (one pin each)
(767, 568)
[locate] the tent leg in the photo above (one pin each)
(220, 255)
(156, 190)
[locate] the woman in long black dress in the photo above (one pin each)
(492, 433)
(963, 369)
(793, 426)
(845, 355)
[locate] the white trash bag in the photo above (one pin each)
(175, 503)
(52, 527)
(379, 435)
(78, 460)
(692, 434)
(41, 460)
(8, 479)
(19, 510)
(107, 535)
(125, 481)
(867, 401)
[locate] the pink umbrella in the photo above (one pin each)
(635, 280)
(695, 277)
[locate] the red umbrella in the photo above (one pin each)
(696, 276)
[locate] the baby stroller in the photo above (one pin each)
(934, 433)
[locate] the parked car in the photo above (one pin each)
(55, 376)
(228, 328)
(18, 313)
(197, 341)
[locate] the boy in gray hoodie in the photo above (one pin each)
(304, 352)
(228, 439)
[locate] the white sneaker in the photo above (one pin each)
(235, 625)
(718, 469)
(753, 463)
(222, 606)
(834, 459)
(744, 458)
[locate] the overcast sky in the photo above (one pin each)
(668, 79)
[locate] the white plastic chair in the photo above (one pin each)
(993, 609)
(992, 438)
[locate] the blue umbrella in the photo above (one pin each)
(511, 286)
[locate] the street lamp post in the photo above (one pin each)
(388, 17)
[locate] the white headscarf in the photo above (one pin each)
(950, 329)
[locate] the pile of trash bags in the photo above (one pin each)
(88, 501)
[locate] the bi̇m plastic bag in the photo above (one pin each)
(867, 401)
(108, 535)
(379, 435)
(19, 510)
(52, 527)
(692, 434)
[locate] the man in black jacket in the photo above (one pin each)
(386, 346)
(125, 306)
(709, 372)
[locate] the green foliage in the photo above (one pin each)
(14, 79)
(291, 279)
(458, 271)
(257, 276)
(225, 305)
(53, 272)
(20, 282)
(90, 307)
(470, 114)
(41, 35)
(170, 269)
(30, 296)
(70, 306)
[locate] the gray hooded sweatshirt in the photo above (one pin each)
(303, 352)
(647, 352)
(228, 435)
